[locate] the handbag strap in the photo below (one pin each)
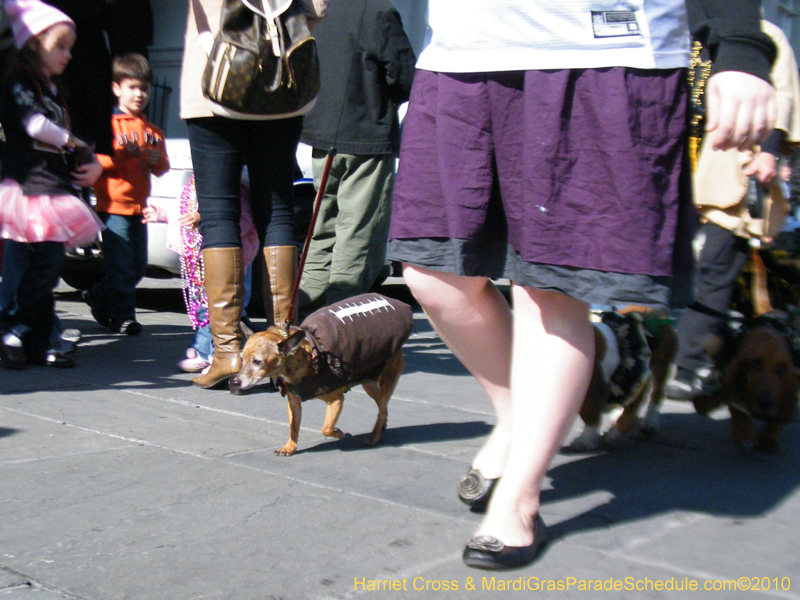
(263, 8)
(266, 8)
(203, 27)
(200, 17)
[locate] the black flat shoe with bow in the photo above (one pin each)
(475, 490)
(486, 552)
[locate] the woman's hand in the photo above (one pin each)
(740, 110)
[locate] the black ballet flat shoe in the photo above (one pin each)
(475, 490)
(486, 552)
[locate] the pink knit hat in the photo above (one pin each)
(32, 17)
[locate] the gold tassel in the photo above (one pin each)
(697, 76)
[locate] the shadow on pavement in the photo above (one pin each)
(411, 434)
(7, 432)
(107, 360)
(430, 355)
(692, 465)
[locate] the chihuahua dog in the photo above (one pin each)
(356, 341)
(633, 348)
(758, 382)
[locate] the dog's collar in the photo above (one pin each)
(284, 388)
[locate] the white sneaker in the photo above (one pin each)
(193, 363)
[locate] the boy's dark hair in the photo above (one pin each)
(131, 66)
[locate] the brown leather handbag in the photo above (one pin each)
(263, 64)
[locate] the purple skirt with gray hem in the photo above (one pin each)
(571, 180)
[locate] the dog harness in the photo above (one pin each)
(629, 342)
(352, 341)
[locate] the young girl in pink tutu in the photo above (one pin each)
(43, 167)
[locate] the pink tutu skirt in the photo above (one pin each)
(45, 218)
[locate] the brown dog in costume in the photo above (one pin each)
(634, 349)
(355, 341)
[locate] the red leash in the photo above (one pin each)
(321, 191)
(317, 203)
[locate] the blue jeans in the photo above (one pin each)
(203, 343)
(16, 259)
(125, 263)
(220, 149)
(28, 292)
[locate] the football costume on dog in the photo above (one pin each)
(352, 341)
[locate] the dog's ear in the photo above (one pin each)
(290, 345)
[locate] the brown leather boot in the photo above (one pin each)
(281, 262)
(224, 273)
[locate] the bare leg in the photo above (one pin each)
(473, 318)
(550, 374)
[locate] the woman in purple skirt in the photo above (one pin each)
(545, 143)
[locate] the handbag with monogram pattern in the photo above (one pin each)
(263, 64)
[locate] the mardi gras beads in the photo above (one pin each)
(192, 273)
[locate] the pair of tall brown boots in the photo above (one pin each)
(224, 275)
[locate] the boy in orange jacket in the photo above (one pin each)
(122, 193)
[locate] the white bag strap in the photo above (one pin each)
(270, 10)
(204, 35)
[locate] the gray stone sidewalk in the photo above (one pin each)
(119, 480)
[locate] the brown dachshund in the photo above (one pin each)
(760, 382)
(356, 341)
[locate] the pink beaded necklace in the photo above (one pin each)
(192, 273)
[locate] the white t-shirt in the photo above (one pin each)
(472, 36)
